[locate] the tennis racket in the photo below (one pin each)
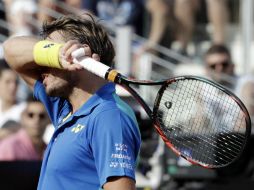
(198, 119)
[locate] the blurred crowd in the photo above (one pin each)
(171, 24)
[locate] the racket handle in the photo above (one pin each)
(90, 64)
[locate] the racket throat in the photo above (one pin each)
(113, 76)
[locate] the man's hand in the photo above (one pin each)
(65, 58)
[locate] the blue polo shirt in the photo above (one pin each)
(98, 141)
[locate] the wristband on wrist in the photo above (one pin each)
(46, 53)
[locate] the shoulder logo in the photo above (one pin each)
(77, 128)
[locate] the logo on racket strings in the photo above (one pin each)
(168, 104)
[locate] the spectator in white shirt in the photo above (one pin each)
(10, 109)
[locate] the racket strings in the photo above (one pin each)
(236, 145)
(211, 111)
(187, 150)
(174, 111)
(198, 140)
(229, 149)
(204, 151)
(214, 119)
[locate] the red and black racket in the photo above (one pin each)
(198, 119)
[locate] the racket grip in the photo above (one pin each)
(90, 64)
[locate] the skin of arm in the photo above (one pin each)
(159, 20)
(18, 52)
(42, 15)
(218, 15)
(123, 183)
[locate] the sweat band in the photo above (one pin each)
(46, 53)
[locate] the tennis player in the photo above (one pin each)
(96, 139)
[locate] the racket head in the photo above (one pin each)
(201, 121)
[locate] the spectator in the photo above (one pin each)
(185, 11)
(10, 109)
(219, 65)
(245, 91)
(46, 5)
(20, 15)
(3, 29)
(118, 12)
(9, 128)
(175, 19)
(27, 143)
(162, 21)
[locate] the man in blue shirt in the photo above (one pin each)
(96, 139)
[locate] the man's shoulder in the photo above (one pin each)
(108, 105)
(114, 109)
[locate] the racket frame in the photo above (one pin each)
(125, 83)
(109, 74)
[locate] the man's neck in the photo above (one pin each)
(78, 98)
(84, 91)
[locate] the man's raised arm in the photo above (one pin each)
(18, 52)
(30, 57)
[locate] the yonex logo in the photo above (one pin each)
(168, 104)
(48, 45)
(77, 128)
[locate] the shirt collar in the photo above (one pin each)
(103, 93)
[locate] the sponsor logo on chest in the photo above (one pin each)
(78, 128)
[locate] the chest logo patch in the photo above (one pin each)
(77, 128)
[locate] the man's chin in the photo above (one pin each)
(52, 92)
(57, 92)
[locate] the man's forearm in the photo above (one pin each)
(18, 52)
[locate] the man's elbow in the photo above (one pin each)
(8, 48)
(18, 52)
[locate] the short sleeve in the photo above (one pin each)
(115, 145)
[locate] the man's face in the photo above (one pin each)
(58, 82)
(219, 65)
(34, 119)
(8, 85)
